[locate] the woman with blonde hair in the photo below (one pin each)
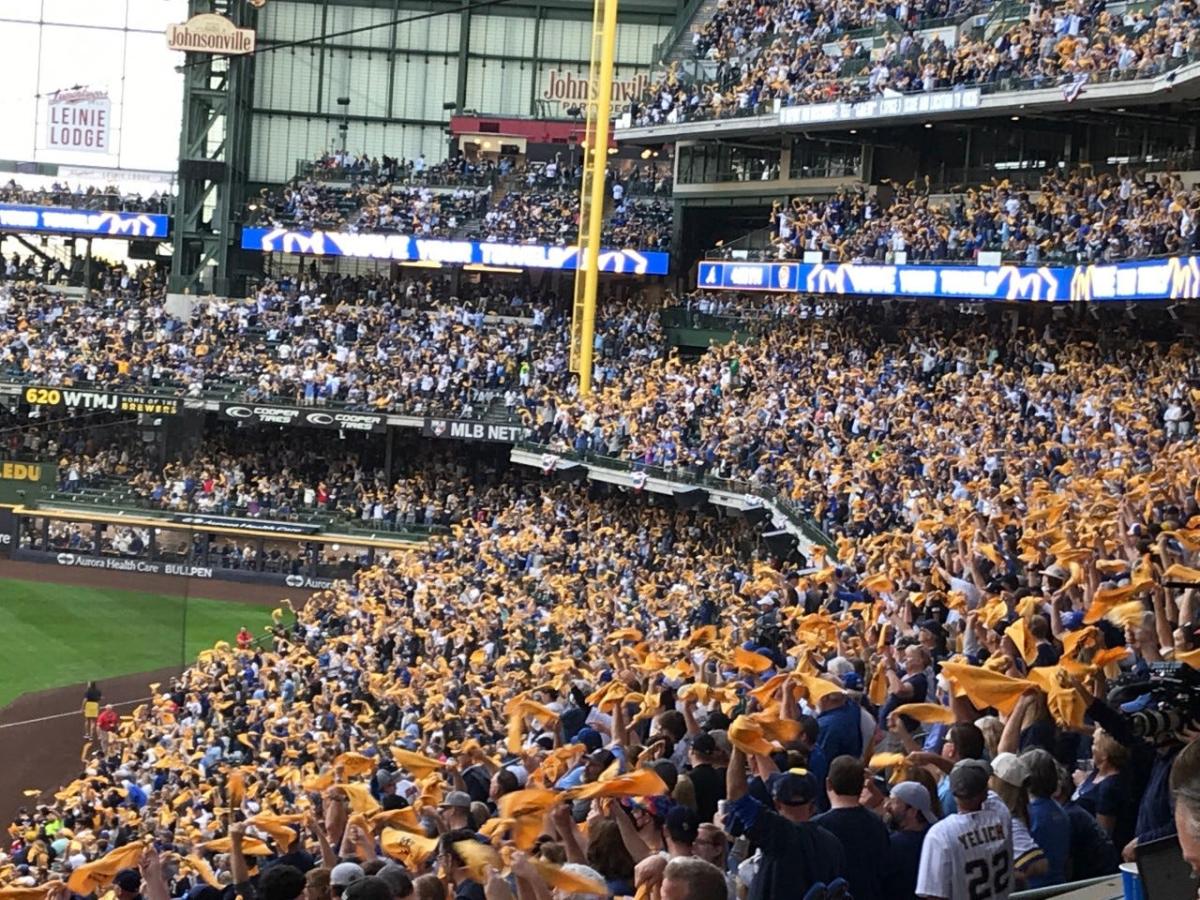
(1010, 774)
(1105, 790)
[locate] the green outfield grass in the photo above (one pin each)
(53, 635)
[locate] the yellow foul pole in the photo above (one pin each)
(595, 161)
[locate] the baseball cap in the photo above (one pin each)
(683, 824)
(457, 800)
(370, 887)
(128, 880)
(794, 788)
(1010, 769)
(915, 795)
(704, 744)
(345, 873)
(969, 778)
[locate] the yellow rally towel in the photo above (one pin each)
(751, 661)
(405, 819)
(278, 828)
(926, 713)
(354, 764)
(361, 800)
(410, 849)
(1065, 704)
(250, 846)
(639, 783)
(984, 687)
(886, 760)
(89, 878)
(747, 735)
(478, 857)
(204, 870)
(1025, 642)
(527, 802)
(417, 763)
(1107, 599)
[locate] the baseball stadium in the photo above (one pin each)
(423, 475)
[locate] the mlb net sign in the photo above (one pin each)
(79, 120)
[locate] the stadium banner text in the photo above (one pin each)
(454, 253)
(72, 398)
(60, 220)
(461, 429)
(78, 119)
(882, 107)
(156, 567)
(1177, 278)
(274, 527)
(252, 414)
(18, 479)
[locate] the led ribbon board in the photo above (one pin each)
(102, 223)
(1177, 278)
(405, 248)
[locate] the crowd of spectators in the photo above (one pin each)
(799, 53)
(1075, 216)
(368, 208)
(577, 691)
(540, 206)
(261, 473)
(453, 172)
(283, 345)
(110, 198)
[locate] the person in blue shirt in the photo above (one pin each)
(840, 726)
(908, 813)
(1048, 823)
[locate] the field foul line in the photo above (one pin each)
(74, 712)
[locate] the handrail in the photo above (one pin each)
(682, 19)
(346, 527)
(786, 507)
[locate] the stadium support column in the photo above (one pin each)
(591, 196)
(214, 154)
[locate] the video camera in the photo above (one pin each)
(1168, 699)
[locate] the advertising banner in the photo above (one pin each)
(210, 33)
(1177, 278)
(71, 559)
(61, 220)
(882, 107)
(573, 89)
(99, 400)
(493, 432)
(23, 482)
(230, 522)
(454, 253)
(79, 120)
(252, 414)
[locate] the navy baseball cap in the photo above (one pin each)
(794, 788)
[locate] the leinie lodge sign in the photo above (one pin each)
(210, 33)
(569, 87)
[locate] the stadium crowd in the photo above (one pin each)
(1074, 216)
(109, 198)
(580, 692)
(798, 54)
(540, 206)
(283, 345)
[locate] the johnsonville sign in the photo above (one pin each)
(568, 87)
(210, 33)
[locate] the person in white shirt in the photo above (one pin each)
(968, 854)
